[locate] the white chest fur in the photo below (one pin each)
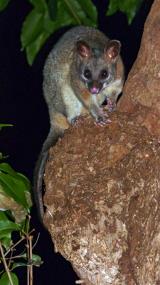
(72, 104)
(114, 88)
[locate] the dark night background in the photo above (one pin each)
(22, 104)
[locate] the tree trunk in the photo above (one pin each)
(142, 89)
(102, 184)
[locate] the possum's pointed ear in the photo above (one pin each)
(112, 50)
(83, 49)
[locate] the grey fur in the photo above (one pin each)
(63, 85)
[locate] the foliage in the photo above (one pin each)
(47, 16)
(129, 7)
(3, 4)
(16, 237)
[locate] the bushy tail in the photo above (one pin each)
(39, 170)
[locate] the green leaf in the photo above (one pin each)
(74, 10)
(19, 264)
(8, 227)
(32, 27)
(77, 12)
(3, 216)
(39, 25)
(14, 184)
(6, 168)
(90, 10)
(52, 8)
(35, 30)
(25, 180)
(33, 48)
(40, 5)
(5, 235)
(13, 188)
(5, 280)
(129, 7)
(6, 241)
(63, 17)
(113, 7)
(36, 260)
(3, 4)
(25, 224)
(5, 125)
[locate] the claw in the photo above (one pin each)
(102, 122)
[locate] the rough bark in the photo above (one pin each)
(103, 183)
(142, 88)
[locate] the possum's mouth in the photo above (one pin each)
(95, 90)
(95, 87)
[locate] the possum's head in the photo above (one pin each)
(97, 67)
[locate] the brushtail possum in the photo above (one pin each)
(82, 71)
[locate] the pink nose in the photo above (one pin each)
(94, 90)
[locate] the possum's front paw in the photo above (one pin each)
(102, 119)
(75, 121)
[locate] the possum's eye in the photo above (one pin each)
(87, 74)
(103, 74)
